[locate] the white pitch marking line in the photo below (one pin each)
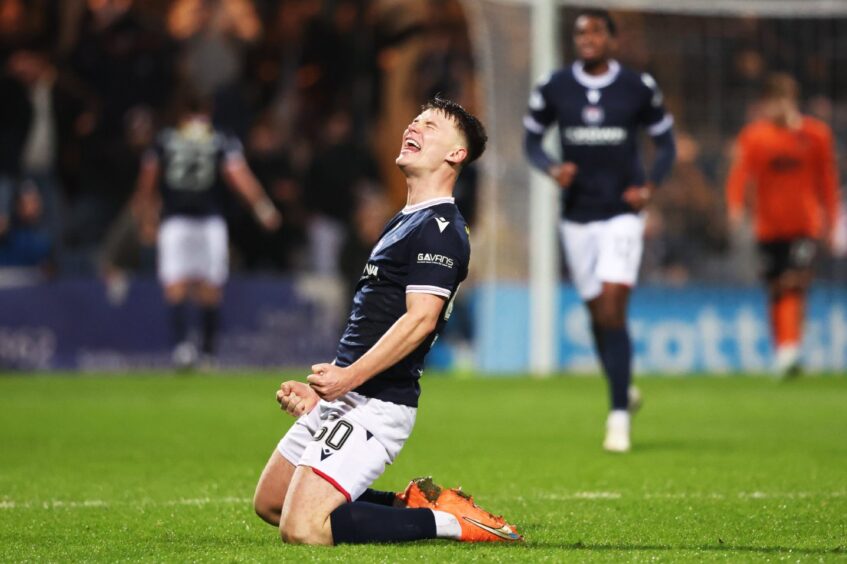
(597, 495)
(95, 503)
(682, 495)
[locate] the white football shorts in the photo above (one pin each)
(193, 248)
(349, 441)
(603, 251)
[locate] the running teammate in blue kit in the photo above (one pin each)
(599, 107)
(356, 413)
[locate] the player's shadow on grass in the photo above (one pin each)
(719, 547)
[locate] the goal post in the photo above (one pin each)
(543, 214)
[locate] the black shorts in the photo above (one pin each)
(793, 254)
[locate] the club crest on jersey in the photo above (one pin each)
(593, 115)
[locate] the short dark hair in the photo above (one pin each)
(600, 14)
(468, 125)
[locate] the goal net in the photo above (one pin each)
(710, 58)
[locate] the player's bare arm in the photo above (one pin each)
(243, 181)
(738, 182)
(408, 332)
(146, 195)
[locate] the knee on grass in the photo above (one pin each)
(267, 510)
(294, 530)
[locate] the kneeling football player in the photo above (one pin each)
(355, 413)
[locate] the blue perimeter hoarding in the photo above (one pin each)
(675, 330)
(78, 325)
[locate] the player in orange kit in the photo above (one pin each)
(788, 158)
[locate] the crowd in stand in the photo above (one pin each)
(318, 91)
(86, 84)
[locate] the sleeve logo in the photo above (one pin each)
(371, 271)
(440, 260)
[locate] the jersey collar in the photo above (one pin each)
(427, 204)
(599, 81)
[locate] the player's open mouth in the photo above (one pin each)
(410, 145)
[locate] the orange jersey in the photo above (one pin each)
(793, 172)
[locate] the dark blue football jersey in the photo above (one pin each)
(423, 249)
(599, 118)
(191, 182)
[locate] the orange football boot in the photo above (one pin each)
(420, 493)
(478, 525)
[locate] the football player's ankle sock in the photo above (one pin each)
(210, 319)
(447, 526)
(616, 357)
(179, 322)
(361, 522)
(378, 497)
(787, 317)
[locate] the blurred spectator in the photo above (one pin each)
(213, 37)
(446, 66)
(50, 112)
(129, 248)
(688, 220)
(336, 170)
(13, 116)
(371, 212)
(273, 71)
(12, 26)
(23, 241)
(282, 249)
(125, 66)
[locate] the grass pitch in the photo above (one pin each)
(161, 468)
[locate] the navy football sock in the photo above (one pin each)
(211, 321)
(378, 497)
(179, 322)
(597, 333)
(615, 351)
(362, 522)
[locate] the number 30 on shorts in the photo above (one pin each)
(338, 436)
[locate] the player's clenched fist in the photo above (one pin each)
(296, 398)
(329, 381)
